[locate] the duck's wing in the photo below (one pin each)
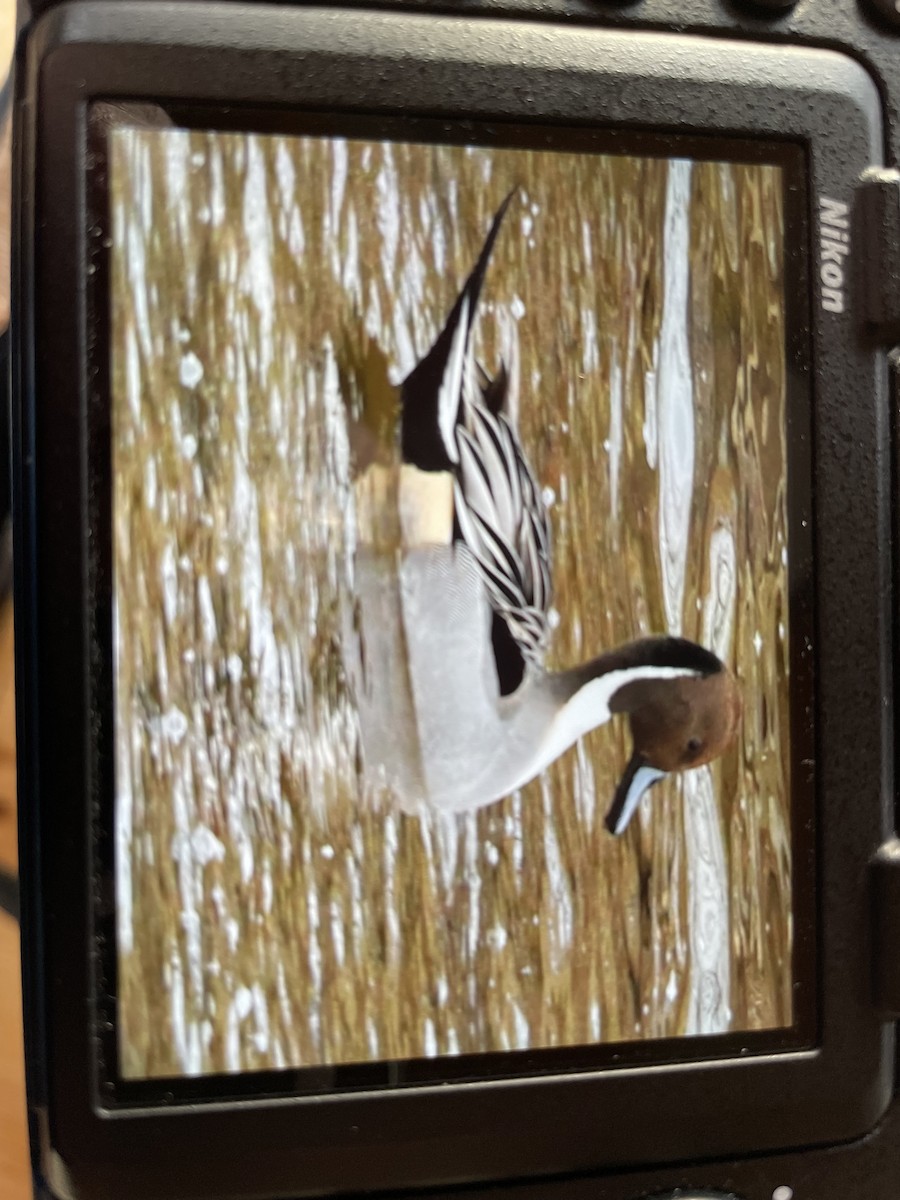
(500, 515)
(431, 396)
(457, 418)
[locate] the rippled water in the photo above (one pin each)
(265, 288)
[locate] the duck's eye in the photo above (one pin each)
(694, 746)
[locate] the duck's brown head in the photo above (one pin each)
(676, 724)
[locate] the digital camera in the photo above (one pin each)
(455, 500)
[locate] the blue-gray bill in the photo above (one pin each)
(636, 779)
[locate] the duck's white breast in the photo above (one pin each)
(446, 619)
(434, 731)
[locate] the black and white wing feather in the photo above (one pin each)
(457, 418)
(501, 517)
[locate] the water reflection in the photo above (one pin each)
(266, 917)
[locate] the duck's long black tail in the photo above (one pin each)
(431, 394)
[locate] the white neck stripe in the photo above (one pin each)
(589, 707)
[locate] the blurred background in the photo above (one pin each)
(269, 915)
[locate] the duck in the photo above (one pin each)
(487, 716)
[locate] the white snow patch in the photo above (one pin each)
(675, 394)
(205, 846)
(174, 725)
(616, 432)
(190, 370)
(497, 937)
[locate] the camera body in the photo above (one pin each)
(804, 1107)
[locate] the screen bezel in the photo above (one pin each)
(324, 1079)
(395, 64)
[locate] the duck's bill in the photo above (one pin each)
(638, 777)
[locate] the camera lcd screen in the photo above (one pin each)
(456, 536)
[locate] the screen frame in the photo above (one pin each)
(394, 64)
(324, 1079)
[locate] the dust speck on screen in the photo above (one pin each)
(450, 636)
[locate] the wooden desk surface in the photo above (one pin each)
(15, 1175)
(14, 1169)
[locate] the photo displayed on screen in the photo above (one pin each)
(449, 545)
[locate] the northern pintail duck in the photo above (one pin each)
(481, 715)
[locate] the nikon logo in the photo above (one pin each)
(834, 246)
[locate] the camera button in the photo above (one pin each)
(879, 226)
(773, 6)
(888, 10)
(687, 1194)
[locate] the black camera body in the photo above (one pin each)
(806, 1107)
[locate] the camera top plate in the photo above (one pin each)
(867, 30)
